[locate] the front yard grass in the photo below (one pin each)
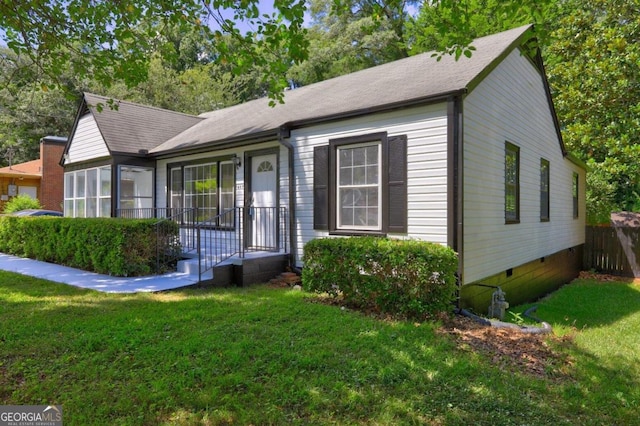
(263, 355)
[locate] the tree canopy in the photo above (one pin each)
(593, 68)
(111, 41)
(188, 56)
(350, 41)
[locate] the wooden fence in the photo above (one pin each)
(613, 250)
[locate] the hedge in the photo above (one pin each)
(118, 247)
(407, 278)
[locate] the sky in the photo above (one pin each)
(265, 6)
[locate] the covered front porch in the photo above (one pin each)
(243, 245)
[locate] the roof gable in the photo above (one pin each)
(417, 79)
(130, 128)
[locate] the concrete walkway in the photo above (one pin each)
(91, 280)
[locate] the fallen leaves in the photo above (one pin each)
(587, 275)
(510, 348)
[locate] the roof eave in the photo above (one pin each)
(79, 113)
(21, 175)
(554, 115)
(273, 134)
(263, 136)
(425, 100)
(575, 160)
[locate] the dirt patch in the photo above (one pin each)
(510, 348)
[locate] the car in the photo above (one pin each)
(37, 212)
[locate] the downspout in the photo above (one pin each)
(455, 167)
(284, 134)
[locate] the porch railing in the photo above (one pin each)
(218, 243)
(216, 239)
(241, 230)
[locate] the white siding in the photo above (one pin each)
(87, 142)
(510, 105)
(426, 130)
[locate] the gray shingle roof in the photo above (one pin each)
(133, 127)
(415, 79)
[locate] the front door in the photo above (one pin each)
(263, 202)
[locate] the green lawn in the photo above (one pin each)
(270, 356)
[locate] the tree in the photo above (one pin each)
(201, 88)
(111, 41)
(450, 26)
(349, 35)
(593, 70)
(355, 39)
(27, 112)
(182, 75)
(162, 53)
(392, 13)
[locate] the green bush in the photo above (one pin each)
(21, 202)
(407, 278)
(119, 247)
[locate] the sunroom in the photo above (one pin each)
(91, 192)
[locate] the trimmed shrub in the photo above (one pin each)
(21, 202)
(119, 247)
(407, 278)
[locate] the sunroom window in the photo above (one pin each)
(87, 193)
(136, 187)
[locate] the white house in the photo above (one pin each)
(465, 153)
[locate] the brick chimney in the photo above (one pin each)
(52, 183)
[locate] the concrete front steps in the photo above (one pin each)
(253, 268)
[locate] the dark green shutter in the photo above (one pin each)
(397, 184)
(321, 187)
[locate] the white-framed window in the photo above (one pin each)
(360, 185)
(358, 189)
(31, 191)
(74, 201)
(208, 186)
(175, 188)
(92, 193)
(104, 192)
(201, 189)
(87, 193)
